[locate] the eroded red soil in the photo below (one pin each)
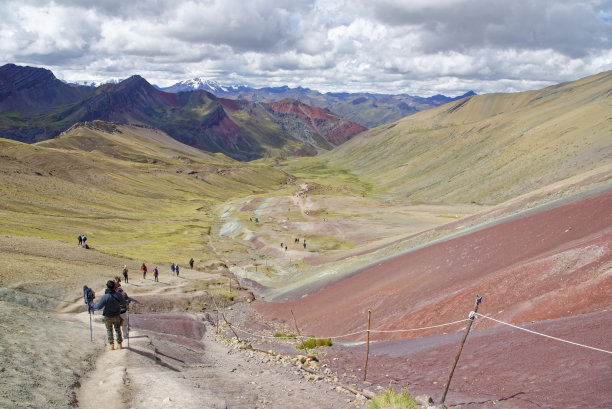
(553, 264)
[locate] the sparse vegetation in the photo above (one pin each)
(281, 335)
(229, 295)
(315, 342)
(390, 399)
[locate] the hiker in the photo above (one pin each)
(125, 273)
(285, 248)
(172, 268)
(111, 302)
(124, 306)
(191, 263)
(282, 245)
(304, 244)
(143, 268)
(80, 240)
(177, 270)
(155, 274)
(83, 240)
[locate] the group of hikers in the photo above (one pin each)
(115, 302)
(173, 267)
(83, 241)
(296, 240)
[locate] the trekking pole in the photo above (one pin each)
(88, 297)
(128, 325)
(90, 326)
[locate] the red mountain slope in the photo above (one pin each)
(552, 264)
(333, 129)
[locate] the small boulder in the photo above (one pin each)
(423, 400)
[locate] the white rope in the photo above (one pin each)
(350, 334)
(418, 329)
(544, 335)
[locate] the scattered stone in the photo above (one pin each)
(423, 400)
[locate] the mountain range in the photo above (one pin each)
(35, 106)
(367, 109)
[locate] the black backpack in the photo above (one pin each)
(121, 300)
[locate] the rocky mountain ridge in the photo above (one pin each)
(35, 106)
(367, 109)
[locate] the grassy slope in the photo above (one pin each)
(128, 192)
(484, 149)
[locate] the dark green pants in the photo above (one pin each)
(115, 322)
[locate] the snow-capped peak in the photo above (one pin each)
(91, 83)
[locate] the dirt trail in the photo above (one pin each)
(174, 359)
(170, 364)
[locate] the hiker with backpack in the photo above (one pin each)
(155, 274)
(125, 273)
(177, 270)
(172, 268)
(191, 263)
(111, 302)
(124, 306)
(80, 240)
(143, 268)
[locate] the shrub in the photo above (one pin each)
(315, 342)
(229, 295)
(281, 335)
(392, 400)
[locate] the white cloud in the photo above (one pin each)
(398, 46)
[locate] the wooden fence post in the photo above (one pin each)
(365, 365)
(230, 325)
(298, 331)
(465, 334)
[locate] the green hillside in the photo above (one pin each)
(483, 149)
(129, 189)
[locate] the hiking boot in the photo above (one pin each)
(119, 346)
(111, 346)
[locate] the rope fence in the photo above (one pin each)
(352, 333)
(470, 320)
(544, 335)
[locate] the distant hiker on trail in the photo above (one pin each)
(177, 270)
(282, 245)
(285, 248)
(191, 263)
(111, 302)
(84, 240)
(80, 240)
(125, 273)
(172, 268)
(143, 268)
(155, 274)
(304, 244)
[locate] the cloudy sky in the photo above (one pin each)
(419, 47)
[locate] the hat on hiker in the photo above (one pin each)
(110, 284)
